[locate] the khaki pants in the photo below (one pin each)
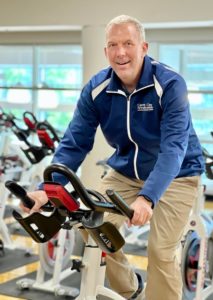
(166, 229)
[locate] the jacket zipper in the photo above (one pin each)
(128, 124)
(130, 137)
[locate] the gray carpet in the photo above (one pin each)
(13, 259)
(10, 288)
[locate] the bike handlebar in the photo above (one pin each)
(65, 205)
(120, 203)
(21, 193)
(117, 207)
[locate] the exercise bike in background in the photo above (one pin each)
(54, 255)
(197, 254)
(11, 166)
(34, 143)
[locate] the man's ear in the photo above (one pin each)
(145, 47)
(105, 51)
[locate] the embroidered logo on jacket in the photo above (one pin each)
(145, 107)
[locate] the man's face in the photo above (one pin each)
(125, 52)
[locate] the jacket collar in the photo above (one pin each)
(146, 78)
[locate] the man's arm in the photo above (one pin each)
(78, 139)
(175, 127)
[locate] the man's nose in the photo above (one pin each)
(121, 51)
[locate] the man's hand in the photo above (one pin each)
(142, 211)
(39, 197)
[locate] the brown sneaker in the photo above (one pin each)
(140, 287)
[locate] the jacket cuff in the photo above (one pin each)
(149, 200)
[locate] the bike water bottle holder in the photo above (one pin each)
(40, 227)
(105, 234)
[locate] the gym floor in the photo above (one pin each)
(140, 262)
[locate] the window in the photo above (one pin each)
(195, 63)
(42, 79)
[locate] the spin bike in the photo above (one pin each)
(66, 212)
(197, 255)
(27, 172)
(54, 255)
(10, 169)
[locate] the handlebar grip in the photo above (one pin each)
(20, 193)
(120, 203)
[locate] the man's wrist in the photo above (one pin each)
(148, 200)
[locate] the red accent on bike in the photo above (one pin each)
(45, 138)
(103, 254)
(29, 123)
(59, 196)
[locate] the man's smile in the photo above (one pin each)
(122, 63)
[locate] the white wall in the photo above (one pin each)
(85, 12)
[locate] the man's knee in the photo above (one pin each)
(161, 253)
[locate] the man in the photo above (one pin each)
(142, 108)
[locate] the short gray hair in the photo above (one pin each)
(123, 19)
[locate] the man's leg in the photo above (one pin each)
(166, 229)
(120, 273)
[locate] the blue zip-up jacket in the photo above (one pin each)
(150, 129)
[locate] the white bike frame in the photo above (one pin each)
(196, 223)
